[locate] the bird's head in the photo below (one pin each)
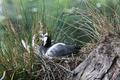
(46, 39)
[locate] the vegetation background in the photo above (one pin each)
(75, 22)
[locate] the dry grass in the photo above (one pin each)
(21, 63)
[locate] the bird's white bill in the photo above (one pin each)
(45, 40)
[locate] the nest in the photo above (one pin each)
(55, 69)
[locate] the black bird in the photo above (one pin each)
(56, 50)
(46, 43)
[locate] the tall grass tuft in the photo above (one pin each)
(79, 23)
(23, 19)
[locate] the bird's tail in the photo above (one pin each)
(76, 49)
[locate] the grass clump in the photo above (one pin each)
(66, 22)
